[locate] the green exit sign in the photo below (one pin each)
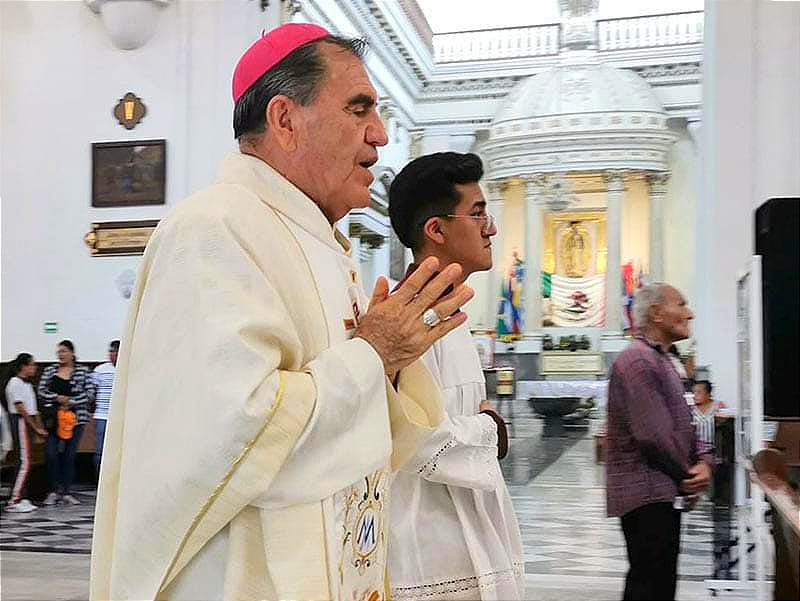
(50, 327)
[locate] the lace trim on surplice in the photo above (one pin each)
(472, 584)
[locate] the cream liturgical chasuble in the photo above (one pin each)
(251, 441)
(454, 534)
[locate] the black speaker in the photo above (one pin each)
(777, 227)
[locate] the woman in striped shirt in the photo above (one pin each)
(703, 412)
(67, 384)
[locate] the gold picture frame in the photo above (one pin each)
(120, 237)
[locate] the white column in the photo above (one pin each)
(494, 205)
(658, 191)
(532, 301)
(416, 137)
(702, 241)
(615, 187)
(751, 143)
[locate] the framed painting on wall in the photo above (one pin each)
(129, 173)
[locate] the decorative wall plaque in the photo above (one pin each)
(120, 237)
(571, 363)
(130, 110)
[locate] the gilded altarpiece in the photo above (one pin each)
(558, 234)
(574, 261)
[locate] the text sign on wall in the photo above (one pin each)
(577, 362)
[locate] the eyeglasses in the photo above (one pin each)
(487, 221)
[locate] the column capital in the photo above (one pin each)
(290, 10)
(551, 191)
(415, 143)
(386, 108)
(615, 180)
(695, 128)
(495, 189)
(657, 181)
(534, 183)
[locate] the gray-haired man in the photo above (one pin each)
(653, 466)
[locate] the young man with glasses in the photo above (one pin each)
(453, 532)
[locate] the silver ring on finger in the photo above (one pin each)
(430, 318)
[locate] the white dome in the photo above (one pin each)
(580, 116)
(578, 89)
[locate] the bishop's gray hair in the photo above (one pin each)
(646, 298)
(298, 76)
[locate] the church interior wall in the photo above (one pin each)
(61, 78)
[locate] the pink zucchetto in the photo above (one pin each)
(271, 49)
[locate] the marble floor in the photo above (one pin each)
(572, 551)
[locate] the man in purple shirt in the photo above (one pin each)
(653, 466)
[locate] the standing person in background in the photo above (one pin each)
(703, 412)
(453, 531)
(65, 384)
(103, 376)
(652, 458)
(6, 439)
(26, 426)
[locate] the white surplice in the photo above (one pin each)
(251, 440)
(454, 534)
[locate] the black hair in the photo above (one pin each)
(114, 344)
(426, 188)
(297, 76)
(706, 383)
(20, 361)
(68, 344)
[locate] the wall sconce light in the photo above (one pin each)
(130, 23)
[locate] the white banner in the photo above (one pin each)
(578, 302)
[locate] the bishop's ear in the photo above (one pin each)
(281, 116)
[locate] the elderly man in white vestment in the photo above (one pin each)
(453, 532)
(262, 402)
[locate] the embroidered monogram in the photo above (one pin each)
(363, 544)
